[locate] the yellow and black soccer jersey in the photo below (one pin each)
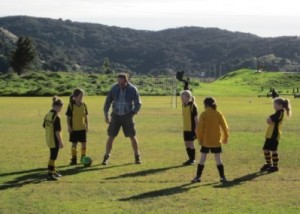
(189, 112)
(52, 125)
(78, 116)
(212, 128)
(274, 129)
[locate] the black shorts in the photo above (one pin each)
(271, 145)
(78, 136)
(212, 150)
(189, 136)
(124, 121)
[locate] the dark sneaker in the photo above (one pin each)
(273, 169)
(57, 174)
(105, 160)
(51, 177)
(265, 167)
(196, 180)
(188, 162)
(223, 180)
(138, 159)
(73, 162)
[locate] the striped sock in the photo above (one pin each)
(268, 157)
(83, 152)
(275, 159)
(74, 153)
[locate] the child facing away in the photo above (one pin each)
(190, 121)
(52, 127)
(273, 134)
(77, 119)
(211, 124)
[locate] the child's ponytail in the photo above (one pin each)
(210, 102)
(287, 107)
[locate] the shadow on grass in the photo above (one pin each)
(38, 175)
(241, 180)
(144, 172)
(162, 192)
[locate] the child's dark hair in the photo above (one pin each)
(57, 102)
(76, 93)
(210, 102)
(286, 104)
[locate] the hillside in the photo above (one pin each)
(63, 45)
(238, 83)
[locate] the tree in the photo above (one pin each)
(106, 67)
(23, 56)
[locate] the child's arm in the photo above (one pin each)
(196, 123)
(69, 121)
(86, 123)
(58, 136)
(269, 120)
(200, 129)
(224, 127)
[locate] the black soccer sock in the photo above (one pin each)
(221, 170)
(193, 152)
(188, 151)
(275, 159)
(51, 166)
(200, 170)
(268, 157)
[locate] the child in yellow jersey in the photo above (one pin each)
(77, 120)
(190, 120)
(211, 124)
(53, 136)
(273, 134)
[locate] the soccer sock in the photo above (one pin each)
(51, 166)
(193, 152)
(188, 151)
(221, 170)
(200, 170)
(74, 153)
(275, 159)
(268, 157)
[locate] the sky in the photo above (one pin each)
(266, 18)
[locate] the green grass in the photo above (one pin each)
(160, 184)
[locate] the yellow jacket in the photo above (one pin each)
(212, 129)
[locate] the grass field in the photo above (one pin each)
(160, 184)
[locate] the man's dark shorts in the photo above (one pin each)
(212, 150)
(124, 121)
(78, 136)
(270, 145)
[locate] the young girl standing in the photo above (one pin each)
(77, 120)
(53, 136)
(190, 120)
(273, 134)
(211, 124)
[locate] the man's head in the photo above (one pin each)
(122, 79)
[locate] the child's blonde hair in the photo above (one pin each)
(286, 104)
(189, 95)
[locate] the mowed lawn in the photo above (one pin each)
(160, 184)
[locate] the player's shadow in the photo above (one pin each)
(144, 172)
(38, 175)
(241, 180)
(162, 192)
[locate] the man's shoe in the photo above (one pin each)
(105, 160)
(138, 159)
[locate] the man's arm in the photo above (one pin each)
(107, 104)
(137, 102)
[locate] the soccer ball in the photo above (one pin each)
(86, 161)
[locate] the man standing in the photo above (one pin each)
(125, 101)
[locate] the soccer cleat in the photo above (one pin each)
(265, 167)
(57, 175)
(223, 180)
(73, 162)
(105, 160)
(273, 169)
(196, 180)
(138, 159)
(188, 162)
(51, 177)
